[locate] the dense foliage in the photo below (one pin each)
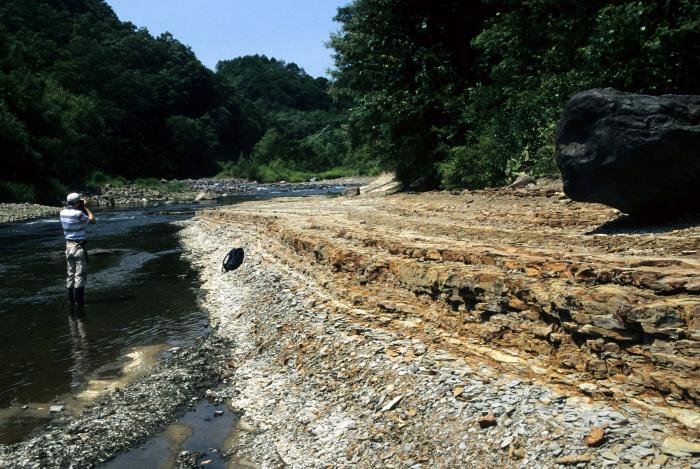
(469, 93)
(85, 98)
(446, 92)
(303, 131)
(81, 91)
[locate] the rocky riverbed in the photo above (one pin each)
(125, 417)
(189, 190)
(417, 331)
(348, 354)
(17, 212)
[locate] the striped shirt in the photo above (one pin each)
(73, 222)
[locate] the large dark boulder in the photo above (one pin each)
(637, 153)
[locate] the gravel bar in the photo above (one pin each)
(125, 418)
(10, 213)
(321, 389)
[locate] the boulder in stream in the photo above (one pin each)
(637, 153)
(205, 195)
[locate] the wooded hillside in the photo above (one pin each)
(85, 97)
(448, 93)
(469, 93)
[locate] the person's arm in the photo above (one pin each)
(91, 217)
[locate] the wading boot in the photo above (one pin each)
(71, 295)
(80, 295)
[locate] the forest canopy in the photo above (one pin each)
(447, 93)
(85, 96)
(467, 94)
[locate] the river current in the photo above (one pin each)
(140, 292)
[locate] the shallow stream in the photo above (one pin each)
(140, 293)
(141, 300)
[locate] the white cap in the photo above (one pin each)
(73, 197)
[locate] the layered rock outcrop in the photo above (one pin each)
(637, 153)
(525, 280)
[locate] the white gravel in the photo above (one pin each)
(17, 212)
(318, 388)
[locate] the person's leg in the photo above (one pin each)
(70, 280)
(80, 275)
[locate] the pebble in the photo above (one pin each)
(609, 456)
(588, 388)
(596, 436)
(487, 421)
(574, 459)
(506, 442)
(680, 447)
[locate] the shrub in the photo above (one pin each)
(474, 166)
(339, 172)
(51, 192)
(98, 179)
(19, 192)
(175, 186)
(148, 183)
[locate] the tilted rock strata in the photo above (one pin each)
(321, 382)
(511, 278)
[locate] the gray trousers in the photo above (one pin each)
(76, 258)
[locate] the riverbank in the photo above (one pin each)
(382, 331)
(417, 331)
(10, 213)
(171, 192)
(124, 418)
(190, 190)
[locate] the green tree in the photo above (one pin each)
(81, 91)
(274, 84)
(296, 112)
(406, 65)
(470, 92)
(538, 53)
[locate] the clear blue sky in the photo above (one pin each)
(291, 30)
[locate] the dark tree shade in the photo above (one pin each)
(81, 91)
(471, 91)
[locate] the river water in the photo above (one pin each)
(140, 292)
(140, 295)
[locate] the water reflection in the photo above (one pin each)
(140, 293)
(80, 350)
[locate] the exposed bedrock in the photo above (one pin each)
(496, 275)
(637, 153)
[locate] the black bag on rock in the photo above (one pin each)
(233, 260)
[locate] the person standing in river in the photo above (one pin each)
(73, 219)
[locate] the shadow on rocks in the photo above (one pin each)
(646, 224)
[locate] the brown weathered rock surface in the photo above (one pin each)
(381, 328)
(596, 436)
(519, 277)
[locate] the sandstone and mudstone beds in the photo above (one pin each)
(527, 280)
(351, 348)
